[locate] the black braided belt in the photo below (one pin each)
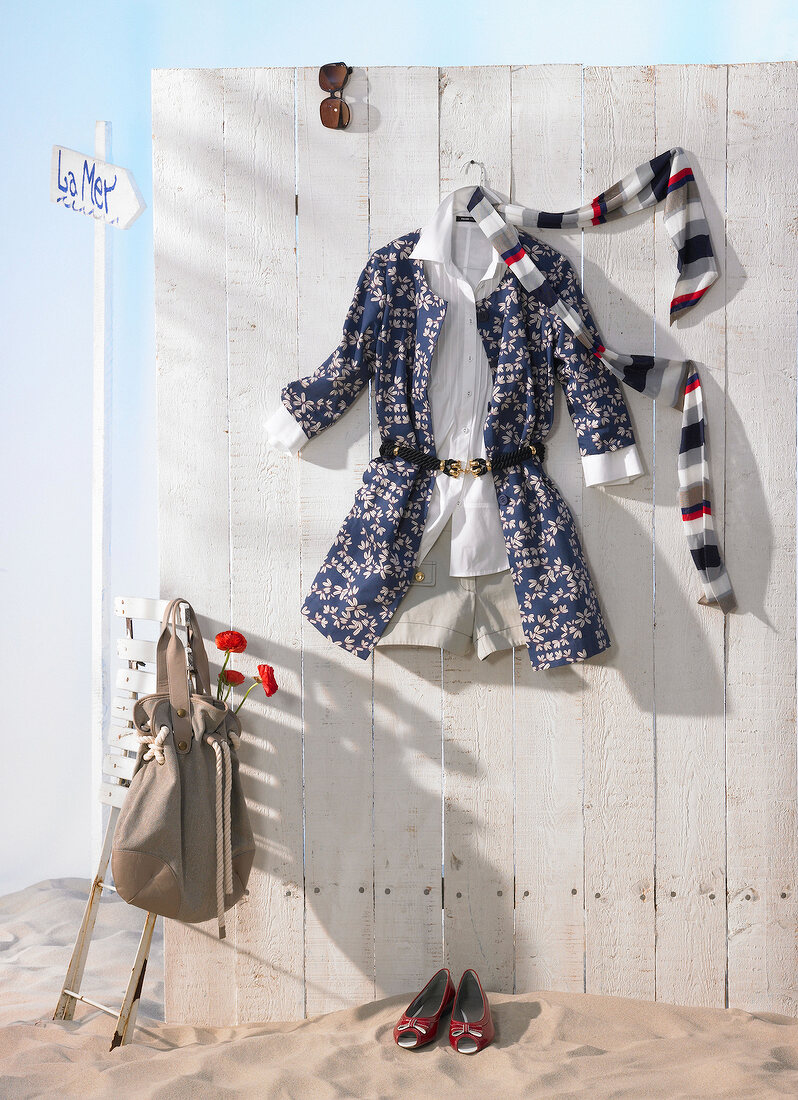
(392, 448)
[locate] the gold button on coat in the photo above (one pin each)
(419, 576)
(181, 713)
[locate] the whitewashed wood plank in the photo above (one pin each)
(762, 278)
(112, 794)
(135, 649)
(333, 248)
(118, 766)
(102, 388)
(134, 679)
(549, 897)
(617, 524)
(475, 123)
(403, 114)
(134, 607)
(265, 580)
(119, 739)
(191, 352)
(689, 638)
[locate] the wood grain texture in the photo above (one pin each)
(403, 113)
(549, 848)
(478, 720)
(689, 656)
(618, 280)
(584, 816)
(264, 486)
(192, 436)
(762, 280)
(333, 247)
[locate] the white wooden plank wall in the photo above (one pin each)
(624, 827)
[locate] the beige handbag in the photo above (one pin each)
(183, 844)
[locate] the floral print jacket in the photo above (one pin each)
(388, 338)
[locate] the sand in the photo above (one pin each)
(548, 1044)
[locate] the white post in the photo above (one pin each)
(101, 498)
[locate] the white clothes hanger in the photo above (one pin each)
(494, 196)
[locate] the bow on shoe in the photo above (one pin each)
(458, 1029)
(411, 1022)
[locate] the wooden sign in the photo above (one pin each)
(90, 186)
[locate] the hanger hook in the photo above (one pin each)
(483, 172)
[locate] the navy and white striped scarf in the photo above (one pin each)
(675, 382)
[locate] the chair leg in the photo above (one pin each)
(65, 1009)
(126, 1023)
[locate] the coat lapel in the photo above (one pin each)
(430, 312)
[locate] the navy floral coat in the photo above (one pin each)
(388, 337)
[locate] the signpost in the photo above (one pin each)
(92, 186)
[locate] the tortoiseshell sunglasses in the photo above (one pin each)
(333, 110)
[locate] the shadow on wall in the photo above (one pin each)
(343, 901)
(272, 733)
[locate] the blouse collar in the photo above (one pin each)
(435, 238)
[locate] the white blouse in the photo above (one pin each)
(461, 266)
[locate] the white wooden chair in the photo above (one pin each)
(132, 681)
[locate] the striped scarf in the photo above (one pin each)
(676, 382)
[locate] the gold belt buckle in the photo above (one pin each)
(455, 467)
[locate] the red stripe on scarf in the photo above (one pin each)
(679, 176)
(699, 510)
(683, 299)
(693, 385)
(516, 256)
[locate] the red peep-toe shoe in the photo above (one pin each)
(419, 1022)
(471, 1026)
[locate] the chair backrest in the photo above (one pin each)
(135, 677)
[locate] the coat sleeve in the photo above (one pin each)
(311, 404)
(594, 397)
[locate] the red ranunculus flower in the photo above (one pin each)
(266, 674)
(230, 676)
(231, 640)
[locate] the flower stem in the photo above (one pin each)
(219, 692)
(240, 705)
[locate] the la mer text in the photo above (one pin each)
(93, 186)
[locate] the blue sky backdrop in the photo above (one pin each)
(64, 67)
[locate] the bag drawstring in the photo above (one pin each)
(224, 789)
(224, 859)
(155, 744)
(224, 828)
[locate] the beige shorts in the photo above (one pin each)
(456, 613)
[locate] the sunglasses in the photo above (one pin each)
(334, 111)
